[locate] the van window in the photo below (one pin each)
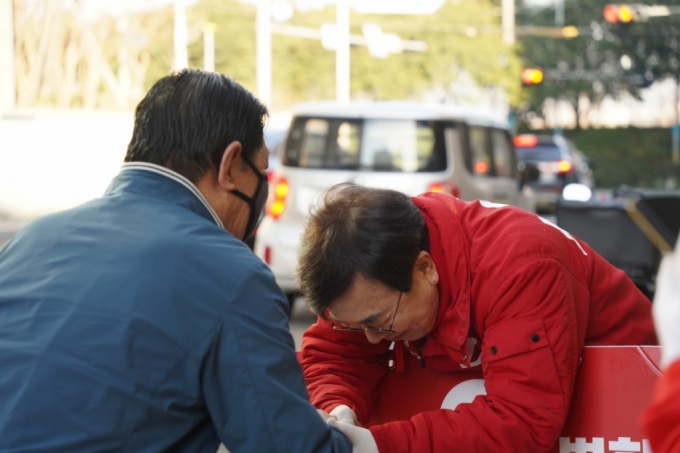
(370, 145)
(313, 150)
(397, 145)
(479, 152)
(347, 145)
(501, 149)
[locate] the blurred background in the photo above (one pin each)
(605, 76)
(72, 71)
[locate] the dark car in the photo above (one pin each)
(559, 163)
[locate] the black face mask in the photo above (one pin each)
(257, 201)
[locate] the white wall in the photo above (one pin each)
(53, 160)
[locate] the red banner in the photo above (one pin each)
(613, 385)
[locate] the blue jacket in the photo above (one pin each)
(136, 323)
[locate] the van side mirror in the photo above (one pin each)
(527, 173)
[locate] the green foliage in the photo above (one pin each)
(304, 70)
(652, 47)
(234, 38)
(592, 51)
(633, 156)
(160, 47)
(450, 50)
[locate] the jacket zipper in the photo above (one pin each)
(420, 352)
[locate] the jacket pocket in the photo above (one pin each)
(519, 365)
(514, 337)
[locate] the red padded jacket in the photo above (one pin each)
(518, 297)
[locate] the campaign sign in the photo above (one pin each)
(613, 386)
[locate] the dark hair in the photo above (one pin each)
(377, 233)
(188, 118)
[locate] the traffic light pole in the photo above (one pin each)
(264, 51)
(508, 21)
(7, 75)
(209, 47)
(559, 13)
(342, 70)
(181, 53)
(675, 133)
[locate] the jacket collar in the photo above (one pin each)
(450, 252)
(171, 175)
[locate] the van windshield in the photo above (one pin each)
(369, 145)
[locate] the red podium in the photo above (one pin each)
(613, 385)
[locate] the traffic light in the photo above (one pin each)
(621, 13)
(532, 76)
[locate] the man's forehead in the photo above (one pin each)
(358, 308)
(366, 318)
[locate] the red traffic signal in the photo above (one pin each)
(619, 13)
(532, 76)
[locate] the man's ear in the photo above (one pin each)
(425, 265)
(229, 165)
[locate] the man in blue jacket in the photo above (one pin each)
(140, 321)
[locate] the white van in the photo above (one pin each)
(404, 146)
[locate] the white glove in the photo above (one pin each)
(361, 438)
(666, 308)
(344, 413)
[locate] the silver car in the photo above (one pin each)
(409, 147)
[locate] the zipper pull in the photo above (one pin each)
(391, 363)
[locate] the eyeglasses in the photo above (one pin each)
(371, 329)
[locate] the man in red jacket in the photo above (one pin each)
(661, 420)
(458, 285)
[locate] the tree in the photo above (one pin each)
(611, 58)
(68, 59)
(462, 35)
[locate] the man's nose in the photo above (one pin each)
(374, 337)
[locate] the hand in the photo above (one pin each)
(324, 415)
(361, 438)
(343, 413)
(666, 308)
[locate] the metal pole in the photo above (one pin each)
(209, 47)
(8, 92)
(264, 51)
(559, 13)
(181, 56)
(342, 74)
(508, 21)
(675, 132)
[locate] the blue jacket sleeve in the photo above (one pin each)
(252, 381)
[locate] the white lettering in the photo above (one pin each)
(565, 233)
(490, 204)
(581, 446)
(623, 445)
(464, 392)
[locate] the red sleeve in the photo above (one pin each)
(530, 353)
(661, 419)
(342, 368)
